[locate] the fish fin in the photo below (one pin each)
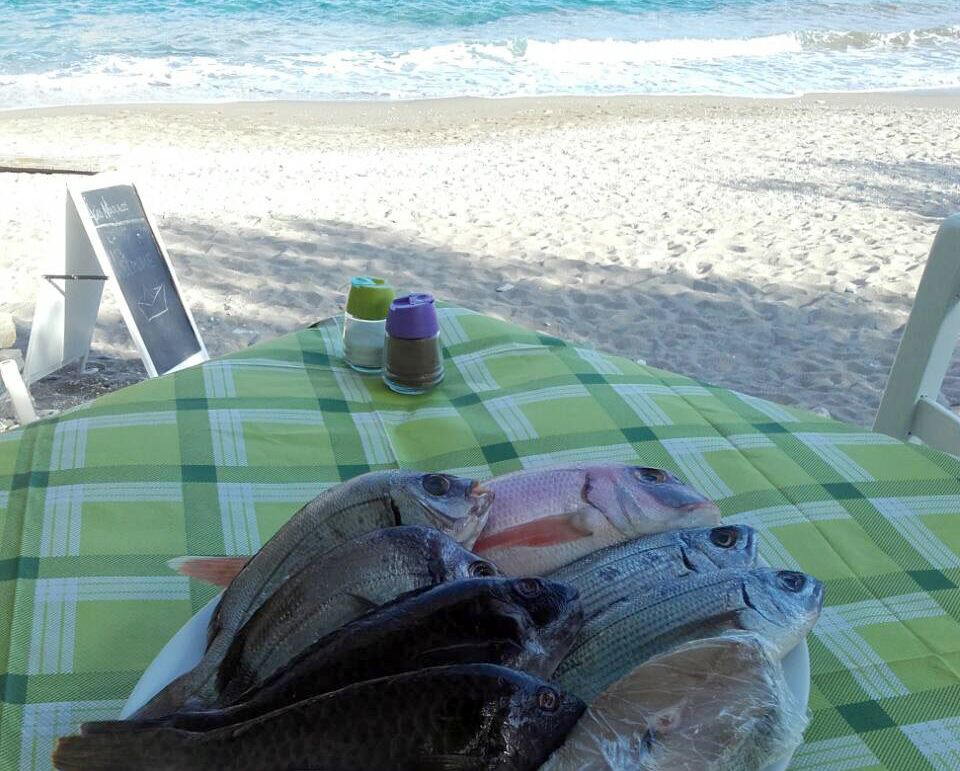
(120, 726)
(132, 751)
(546, 531)
(450, 763)
(169, 699)
(365, 603)
(493, 652)
(219, 571)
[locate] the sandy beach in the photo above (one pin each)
(771, 246)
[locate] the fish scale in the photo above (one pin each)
(363, 573)
(542, 519)
(477, 717)
(491, 620)
(243, 597)
(545, 518)
(621, 571)
(365, 503)
(636, 628)
(631, 630)
(362, 504)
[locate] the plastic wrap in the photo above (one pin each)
(719, 704)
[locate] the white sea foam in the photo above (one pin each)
(763, 65)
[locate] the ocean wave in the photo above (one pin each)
(763, 65)
(860, 39)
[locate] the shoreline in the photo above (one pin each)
(770, 246)
(362, 108)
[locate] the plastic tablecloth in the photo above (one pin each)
(214, 459)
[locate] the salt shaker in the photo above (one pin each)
(364, 323)
(412, 361)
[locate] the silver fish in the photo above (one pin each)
(542, 519)
(545, 518)
(623, 571)
(362, 574)
(366, 503)
(779, 605)
(526, 624)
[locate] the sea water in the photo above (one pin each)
(77, 51)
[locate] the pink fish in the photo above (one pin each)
(543, 519)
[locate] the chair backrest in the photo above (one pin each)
(909, 407)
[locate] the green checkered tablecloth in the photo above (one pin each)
(214, 459)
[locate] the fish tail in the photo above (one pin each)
(218, 571)
(192, 690)
(170, 699)
(135, 750)
(122, 726)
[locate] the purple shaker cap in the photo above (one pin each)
(412, 317)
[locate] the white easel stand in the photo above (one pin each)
(22, 404)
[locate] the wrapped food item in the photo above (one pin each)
(719, 704)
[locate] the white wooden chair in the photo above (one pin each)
(909, 408)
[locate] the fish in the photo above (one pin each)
(453, 505)
(475, 717)
(527, 624)
(543, 519)
(779, 605)
(626, 569)
(719, 704)
(346, 582)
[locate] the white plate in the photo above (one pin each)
(185, 648)
(181, 654)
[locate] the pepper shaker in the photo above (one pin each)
(364, 323)
(412, 360)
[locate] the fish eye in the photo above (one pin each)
(436, 484)
(548, 700)
(791, 581)
(653, 476)
(724, 537)
(481, 569)
(528, 587)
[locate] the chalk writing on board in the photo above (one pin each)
(154, 302)
(142, 274)
(102, 211)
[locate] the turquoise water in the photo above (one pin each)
(63, 52)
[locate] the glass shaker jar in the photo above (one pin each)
(364, 322)
(412, 358)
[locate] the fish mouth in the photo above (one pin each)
(689, 508)
(466, 530)
(816, 597)
(571, 595)
(483, 499)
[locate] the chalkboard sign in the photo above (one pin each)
(133, 258)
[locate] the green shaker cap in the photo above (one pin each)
(369, 298)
